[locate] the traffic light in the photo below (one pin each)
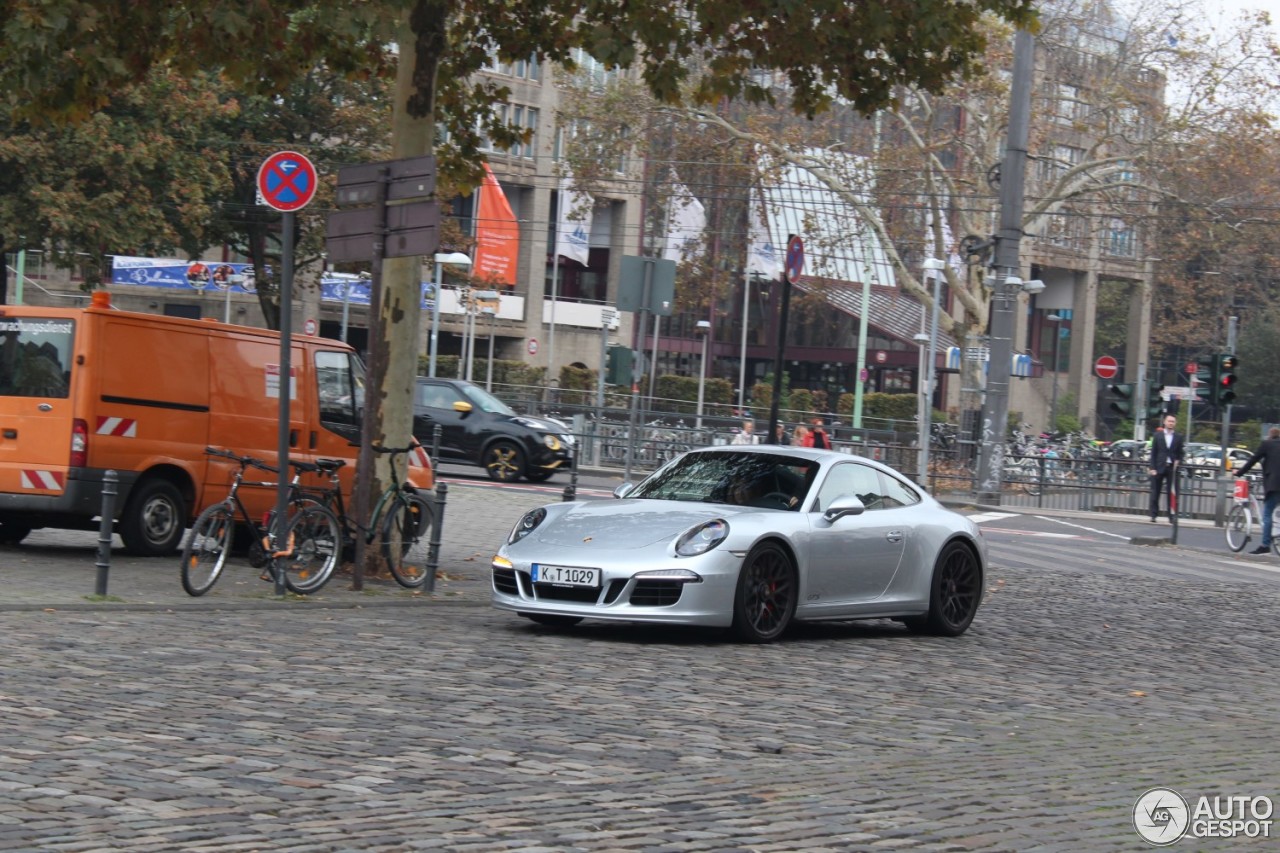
(620, 363)
(1123, 404)
(1226, 379)
(1207, 380)
(1155, 403)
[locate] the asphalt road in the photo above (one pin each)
(384, 720)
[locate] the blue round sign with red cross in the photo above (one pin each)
(795, 258)
(287, 181)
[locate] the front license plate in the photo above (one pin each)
(566, 575)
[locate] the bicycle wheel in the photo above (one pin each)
(312, 546)
(1239, 526)
(206, 550)
(405, 531)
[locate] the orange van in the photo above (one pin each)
(87, 390)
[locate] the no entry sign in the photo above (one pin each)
(287, 181)
(1106, 367)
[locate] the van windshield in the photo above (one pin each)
(35, 356)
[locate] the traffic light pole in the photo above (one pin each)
(1140, 394)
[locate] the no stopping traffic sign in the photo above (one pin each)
(287, 181)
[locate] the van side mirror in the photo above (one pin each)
(842, 506)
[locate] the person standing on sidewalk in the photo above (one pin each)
(1269, 454)
(1166, 455)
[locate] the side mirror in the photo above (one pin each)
(842, 506)
(623, 490)
(461, 406)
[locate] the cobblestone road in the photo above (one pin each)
(451, 726)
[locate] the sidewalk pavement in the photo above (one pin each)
(56, 569)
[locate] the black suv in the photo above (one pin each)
(479, 429)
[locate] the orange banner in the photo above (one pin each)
(497, 234)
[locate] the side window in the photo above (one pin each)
(896, 492)
(436, 396)
(338, 393)
(851, 478)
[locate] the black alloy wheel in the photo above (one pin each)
(765, 599)
(955, 593)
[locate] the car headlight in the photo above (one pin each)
(527, 525)
(551, 441)
(701, 539)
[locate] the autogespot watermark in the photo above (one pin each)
(1162, 816)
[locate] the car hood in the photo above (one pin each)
(625, 524)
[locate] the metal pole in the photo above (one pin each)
(435, 320)
(646, 290)
(702, 379)
(346, 308)
(488, 370)
(22, 275)
(285, 388)
(1053, 402)
(863, 331)
(995, 412)
(742, 364)
(924, 415)
(433, 544)
(778, 361)
(555, 294)
(226, 304)
(653, 361)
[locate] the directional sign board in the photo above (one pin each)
(412, 229)
(414, 177)
(287, 181)
(1106, 367)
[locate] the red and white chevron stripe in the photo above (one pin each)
(419, 456)
(119, 427)
(46, 480)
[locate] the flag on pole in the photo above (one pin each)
(573, 224)
(763, 257)
(686, 220)
(497, 233)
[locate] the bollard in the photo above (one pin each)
(109, 480)
(433, 547)
(436, 433)
(571, 490)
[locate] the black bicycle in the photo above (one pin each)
(402, 517)
(301, 554)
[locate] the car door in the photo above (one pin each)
(433, 405)
(854, 558)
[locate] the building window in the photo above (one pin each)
(1118, 239)
(1067, 105)
(594, 72)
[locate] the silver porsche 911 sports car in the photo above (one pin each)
(750, 538)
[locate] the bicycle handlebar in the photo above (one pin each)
(244, 461)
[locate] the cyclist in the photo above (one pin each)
(1269, 454)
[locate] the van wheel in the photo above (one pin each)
(154, 519)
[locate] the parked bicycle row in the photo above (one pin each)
(318, 533)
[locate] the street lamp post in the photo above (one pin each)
(935, 266)
(456, 259)
(488, 371)
(1056, 320)
(704, 332)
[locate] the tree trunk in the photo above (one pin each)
(393, 333)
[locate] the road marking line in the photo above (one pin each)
(1240, 564)
(990, 516)
(1081, 527)
(1043, 534)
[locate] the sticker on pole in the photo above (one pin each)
(287, 181)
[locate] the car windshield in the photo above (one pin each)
(764, 480)
(486, 402)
